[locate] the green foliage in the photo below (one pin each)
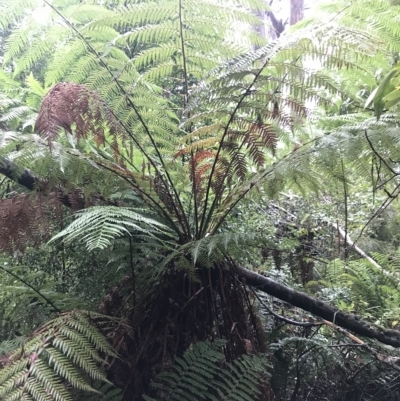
(157, 118)
(64, 353)
(386, 95)
(106, 391)
(36, 284)
(29, 296)
(223, 121)
(98, 226)
(360, 287)
(202, 374)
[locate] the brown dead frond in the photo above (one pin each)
(30, 219)
(79, 111)
(200, 165)
(23, 220)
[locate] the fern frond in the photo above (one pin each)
(98, 226)
(86, 113)
(48, 364)
(198, 374)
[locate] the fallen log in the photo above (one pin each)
(318, 308)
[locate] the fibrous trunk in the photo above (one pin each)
(181, 310)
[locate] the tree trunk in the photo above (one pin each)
(180, 312)
(271, 27)
(262, 28)
(20, 175)
(296, 11)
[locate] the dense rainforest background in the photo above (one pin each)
(198, 200)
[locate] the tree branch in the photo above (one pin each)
(352, 244)
(318, 308)
(277, 25)
(29, 180)
(20, 175)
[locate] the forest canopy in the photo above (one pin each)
(199, 200)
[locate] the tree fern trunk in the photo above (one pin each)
(183, 310)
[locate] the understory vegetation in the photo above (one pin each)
(199, 200)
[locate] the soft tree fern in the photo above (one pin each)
(163, 120)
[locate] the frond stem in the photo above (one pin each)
(185, 102)
(391, 197)
(346, 213)
(239, 149)
(378, 155)
(146, 198)
(139, 116)
(224, 215)
(185, 74)
(194, 191)
(32, 288)
(203, 226)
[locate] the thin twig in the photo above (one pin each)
(346, 214)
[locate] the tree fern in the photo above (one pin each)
(158, 99)
(264, 91)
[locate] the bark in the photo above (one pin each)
(277, 26)
(262, 28)
(30, 181)
(20, 175)
(296, 11)
(319, 308)
(271, 27)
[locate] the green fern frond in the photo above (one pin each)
(53, 360)
(380, 16)
(106, 392)
(216, 247)
(8, 346)
(202, 374)
(359, 285)
(98, 226)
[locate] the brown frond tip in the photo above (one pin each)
(257, 133)
(222, 173)
(74, 108)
